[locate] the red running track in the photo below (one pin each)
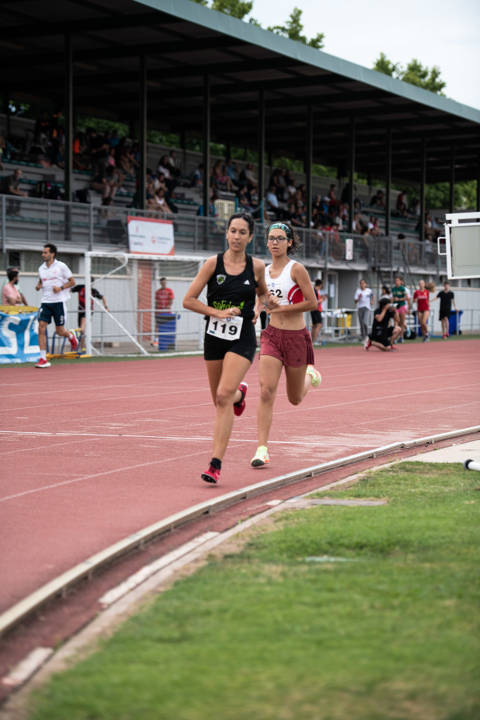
(94, 452)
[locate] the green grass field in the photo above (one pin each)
(390, 630)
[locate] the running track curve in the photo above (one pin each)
(93, 452)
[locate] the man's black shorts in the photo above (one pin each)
(316, 316)
(52, 310)
(385, 338)
(246, 346)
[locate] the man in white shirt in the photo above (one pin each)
(55, 280)
(364, 302)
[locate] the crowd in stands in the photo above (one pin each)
(110, 160)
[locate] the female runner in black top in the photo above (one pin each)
(233, 281)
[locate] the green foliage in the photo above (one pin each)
(293, 30)
(438, 195)
(414, 73)
(236, 8)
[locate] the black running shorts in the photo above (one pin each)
(246, 346)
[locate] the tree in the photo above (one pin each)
(293, 29)
(236, 8)
(414, 73)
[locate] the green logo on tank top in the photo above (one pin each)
(221, 279)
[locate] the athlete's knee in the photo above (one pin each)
(224, 396)
(294, 399)
(267, 393)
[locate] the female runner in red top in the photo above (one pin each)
(422, 297)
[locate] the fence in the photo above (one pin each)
(77, 227)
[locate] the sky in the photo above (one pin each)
(436, 32)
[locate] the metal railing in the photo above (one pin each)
(25, 221)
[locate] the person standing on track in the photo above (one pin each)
(55, 281)
(447, 299)
(233, 280)
(316, 315)
(422, 297)
(401, 299)
(80, 289)
(286, 342)
(364, 302)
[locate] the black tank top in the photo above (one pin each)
(225, 291)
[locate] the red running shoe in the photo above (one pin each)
(73, 342)
(239, 407)
(42, 363)
(212, 475)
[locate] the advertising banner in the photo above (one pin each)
(147, 236)
(19, 338)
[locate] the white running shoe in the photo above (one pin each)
(261, 457)
(315, 375)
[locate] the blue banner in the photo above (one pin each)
(19, 338)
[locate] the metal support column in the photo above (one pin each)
(351, 173)
(478, 185)
(308, 164)
(423, 176)
(388, 182)
(261, 154)
(68, 112)
(452, 179)
(142, 131)
(206, 144)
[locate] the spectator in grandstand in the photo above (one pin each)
(272, 202)
(402, 204)
(364, 301)
(126, 159)
(98, 150)
(358, 224)
(378, 200)
(219, 179)
(421, 297)
(54, 279)
(232, 172)
(11, 293)
(401, 300)
(159, 202)
(286, 342)
(197, 177)
(385, 328)
(212, 208)
(247, 177)
(232, 280)
(165, 169)
(101, 184)
(332, 195)
(316, 315)
(447, 299)
(80, 289)
(11, 186)
(173, 164)
(373, 227)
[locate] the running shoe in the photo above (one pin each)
(315, 375)
(42, 363)
(212, 475)
(239, 407)
(367, 343)
(261, 457)
(73, 342)
(426, 338)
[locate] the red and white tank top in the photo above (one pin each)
(283, 287)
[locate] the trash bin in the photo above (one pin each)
(454, 322)
(167, 326)
(344, 323)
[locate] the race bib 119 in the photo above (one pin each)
(225, 328)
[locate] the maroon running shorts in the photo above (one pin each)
(292, 347)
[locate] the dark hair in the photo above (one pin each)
(383, 302)
(51, 247)
(318, 282)
(386, 289)
(290, 233)
(163, 278)
(243, 216)
(12, 273)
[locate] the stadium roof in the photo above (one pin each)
(184, 42)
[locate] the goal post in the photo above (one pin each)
(137, 322)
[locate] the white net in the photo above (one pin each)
(141, 317)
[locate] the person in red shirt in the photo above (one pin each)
(163, 303)
(422, 297)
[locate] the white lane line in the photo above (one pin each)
(54, 486)
(148, 570)
(27, 667)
